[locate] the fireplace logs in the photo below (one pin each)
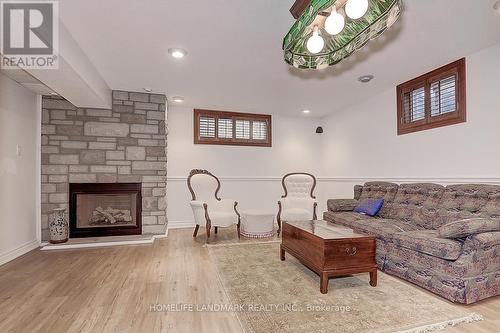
(110, 216)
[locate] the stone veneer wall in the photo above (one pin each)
(124, 144)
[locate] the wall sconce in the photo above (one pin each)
(319, 130)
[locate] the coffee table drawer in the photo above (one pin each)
(349, 253)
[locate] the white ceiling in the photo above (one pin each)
(235, 59)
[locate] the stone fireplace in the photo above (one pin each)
(122, 145)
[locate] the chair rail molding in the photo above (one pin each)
(441, 180)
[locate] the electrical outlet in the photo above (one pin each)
(18, 150)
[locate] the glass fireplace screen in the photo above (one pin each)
(106, 210)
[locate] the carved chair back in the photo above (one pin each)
(203, 185)
(299, 185)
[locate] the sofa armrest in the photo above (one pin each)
(341, 205)
(482, 241)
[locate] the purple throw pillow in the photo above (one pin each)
(369, 207)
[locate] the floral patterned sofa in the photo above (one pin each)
(409, 245)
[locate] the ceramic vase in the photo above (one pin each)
(58, 226)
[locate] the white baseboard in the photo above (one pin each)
(181, 224)
(19, 251)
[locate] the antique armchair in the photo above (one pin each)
(208, 208)
(298, 202)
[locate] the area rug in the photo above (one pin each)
(269, 295)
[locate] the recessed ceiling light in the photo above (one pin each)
(177, 99)
(497, 6)
(177, 53)
(146, 89)
(306, 111)
(366, 78)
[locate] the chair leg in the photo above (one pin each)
(196, 230)
(278, 219)
(239, 219)
(208, 230)
(209, 223)
(216, 230)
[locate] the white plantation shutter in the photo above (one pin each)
(259, 130)
(414, 105)
(444, 96)
(242, 129)
(225, 130)
(207, 127)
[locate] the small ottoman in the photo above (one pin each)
(257, 224)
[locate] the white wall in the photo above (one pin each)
(19, 109)
(250, 175)
(361, 142)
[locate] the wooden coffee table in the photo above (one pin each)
(329, 250)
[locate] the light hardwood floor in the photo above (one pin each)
(112, 289)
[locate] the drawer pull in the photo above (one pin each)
(352, 251)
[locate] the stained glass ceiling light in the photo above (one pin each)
(328, 31)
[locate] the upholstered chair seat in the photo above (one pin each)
(298, 203)
(208, 208)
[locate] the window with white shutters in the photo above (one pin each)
(232, 128)
(433, 100)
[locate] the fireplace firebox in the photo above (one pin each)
(106, 209)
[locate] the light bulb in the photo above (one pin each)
(315, 43)
(334, 23)
(356, 8)
(178, 99)
(177, 53)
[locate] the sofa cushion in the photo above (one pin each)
(380, 228)
(467, 227)
(379, 190)
(416, 203)
(384, 229)
(486, 240)
(429, 242)
(344, 218)
(467, 201)
(341, 205)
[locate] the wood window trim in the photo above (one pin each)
(197, 113)
(429, 122)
